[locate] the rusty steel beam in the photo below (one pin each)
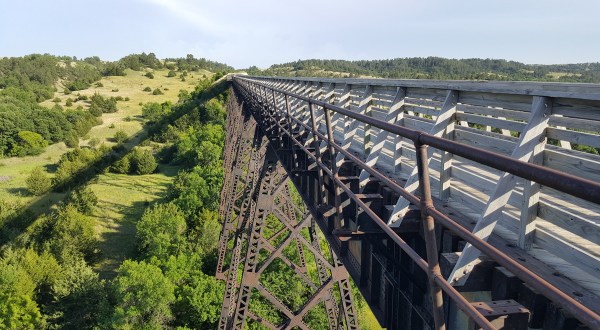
(256, 188)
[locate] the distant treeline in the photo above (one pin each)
(438, 68)
(26, 127)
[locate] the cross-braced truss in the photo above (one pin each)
(267, 230)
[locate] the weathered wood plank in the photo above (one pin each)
(550, 89)
(570, 253)
(493, 122)
(573, 162)
(439, 128)
(395, 116)
(496, 112)
(473, 137)
(541, 110)
(583, 109)
(574, 136)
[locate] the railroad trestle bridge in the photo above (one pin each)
(450, 204)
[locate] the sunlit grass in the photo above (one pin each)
(128, 118)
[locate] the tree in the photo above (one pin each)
(38, 182)
(202, 146)
(122, 166)
(100, 104)
(120, 136)
(206, 229)
(84, 200)
(153, 111)
(19, 312)
(79, 296)
(143, 297)
(199, 302)
(18, 309)
(197, 189)
(142, 161)
(28, 143)
(71, 140)
(160, 231)
(73, 233)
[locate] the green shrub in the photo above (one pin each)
(72, 141)
(94, 142)
(69, 102)
(105, 105)
(121, 166)
(99, 84)
(147, 89)
(171, 74)
(149, 75)
(83, 199)
(120, 136)
(28, 144)
(157, 92)
(142, 161)
(115, 90)
(111, 126)
(72, 234)
(95, 111)
(38, 182)
(160, 231)
(56, 100)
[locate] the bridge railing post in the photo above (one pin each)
(317, 147)
(334, 169)
(433, 264)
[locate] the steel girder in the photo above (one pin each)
(257, 194)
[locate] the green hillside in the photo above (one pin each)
(436, 68)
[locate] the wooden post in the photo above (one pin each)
(530, 139)
(447, 115)
(395, 116)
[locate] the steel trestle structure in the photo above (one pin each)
(291, 159)
(262, 221)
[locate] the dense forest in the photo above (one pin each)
(437, 68)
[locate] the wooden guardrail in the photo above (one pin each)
(556, 126)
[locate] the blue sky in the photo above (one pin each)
(265, 32)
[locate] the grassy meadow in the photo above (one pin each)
(121, 198)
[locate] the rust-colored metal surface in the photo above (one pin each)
(261, 224)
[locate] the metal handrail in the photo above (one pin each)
(576, 186)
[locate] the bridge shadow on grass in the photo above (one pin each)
(117, 239)
(13, 227)
(19, 191)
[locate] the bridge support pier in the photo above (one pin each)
(267, 226)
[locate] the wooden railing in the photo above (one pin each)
(554, 126)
